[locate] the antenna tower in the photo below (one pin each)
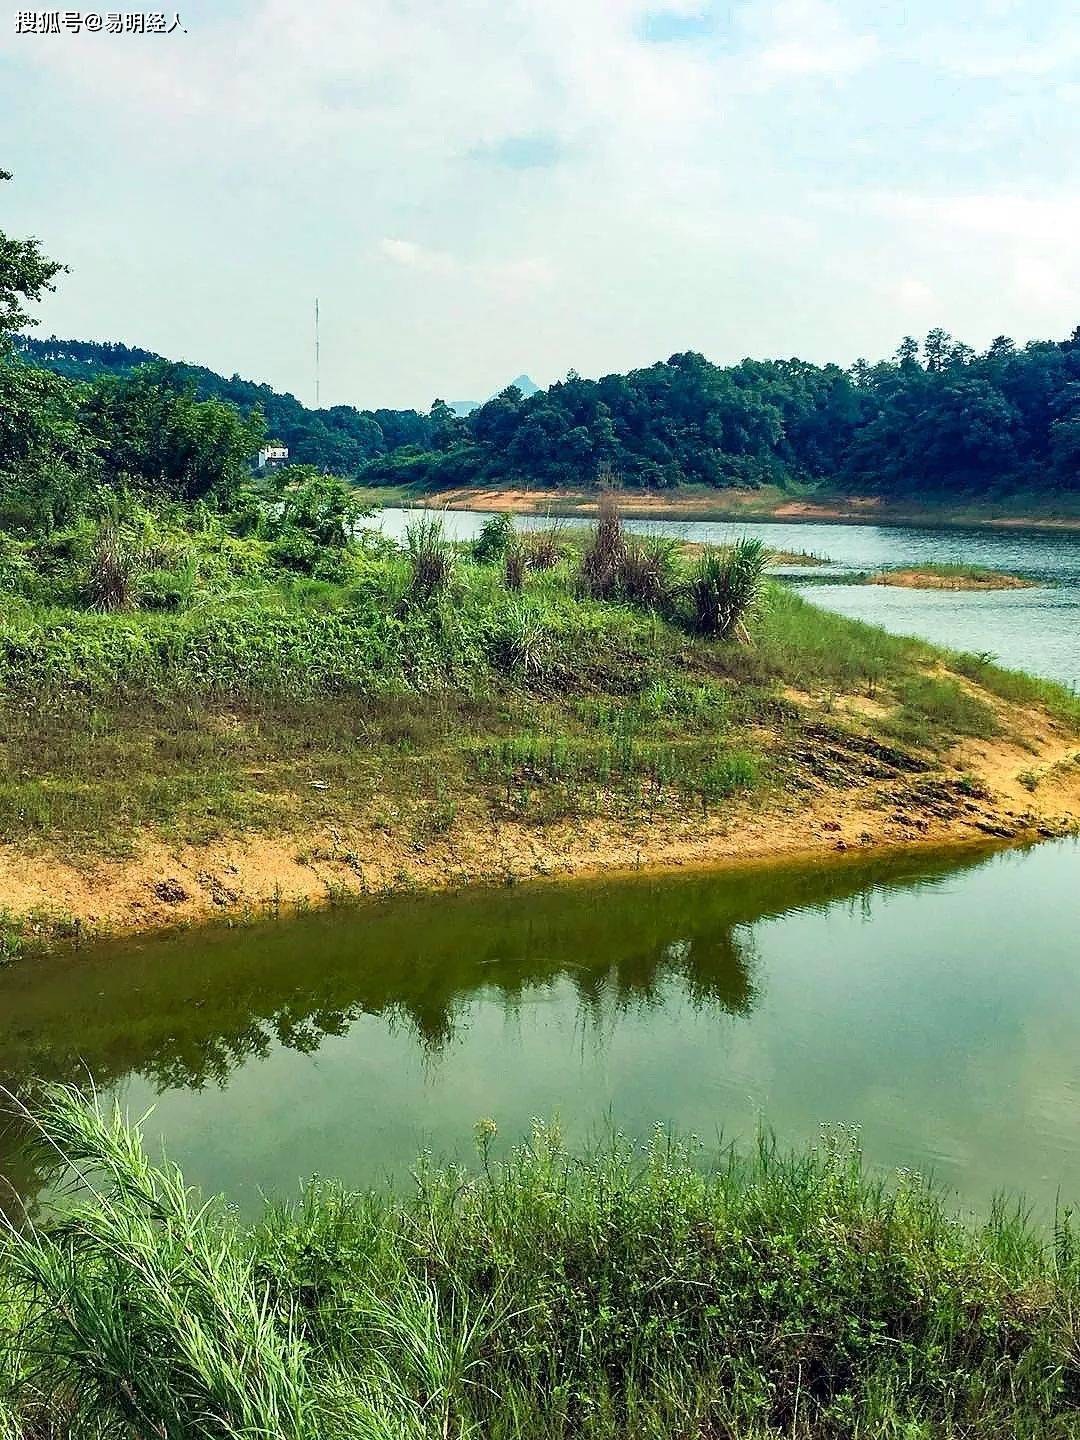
(317, 405)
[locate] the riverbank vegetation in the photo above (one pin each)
(647, 1289)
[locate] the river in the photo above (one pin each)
(932, 1001)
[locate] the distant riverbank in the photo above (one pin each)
(766, 504)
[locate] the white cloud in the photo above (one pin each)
(416, 257)
(912, 294)
(811, 37)
(1013, 214)
(512, 279)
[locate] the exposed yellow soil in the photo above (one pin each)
(738, 504)
(930, 580)
(164, 886)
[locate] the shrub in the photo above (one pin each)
(430, 558)
(497, 536)
(604, 551)
(726, 588)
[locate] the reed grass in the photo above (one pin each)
(726, 588)
(431, 559)
(635, 1289)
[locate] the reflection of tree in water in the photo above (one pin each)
(711, 970)
(200, 1007)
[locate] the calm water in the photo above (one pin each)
(933, 1002)
(1036, 630)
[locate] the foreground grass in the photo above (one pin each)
(631, 1291)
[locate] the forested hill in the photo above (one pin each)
(340, 439)
(937, 419)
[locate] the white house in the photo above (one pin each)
(272, 455)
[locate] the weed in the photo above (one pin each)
(112, 568)
(604, 552)
(430, 557)
(515, 563)
(646, 572)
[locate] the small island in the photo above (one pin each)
(950, 577)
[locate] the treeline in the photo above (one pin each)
(340, 439)
(937, 419)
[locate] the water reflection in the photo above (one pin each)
(401, 989)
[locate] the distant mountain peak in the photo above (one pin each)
(524, 383)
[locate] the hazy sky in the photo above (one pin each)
(474, 190)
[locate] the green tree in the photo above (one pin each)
(159, 436)
(25, 275)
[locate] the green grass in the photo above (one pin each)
(635, 1290)
(274, 701)
(933, 708)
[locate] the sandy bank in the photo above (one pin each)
(984, 790)
(745, 505)
(940, 580)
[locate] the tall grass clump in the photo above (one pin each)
(646, 572)
(515, 564)
(604, 552)
(726, 588)
(633, 1290)
(112, 568)
(544, 548)
(431, 559)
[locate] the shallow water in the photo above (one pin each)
(932, 1001)
(1036, 629)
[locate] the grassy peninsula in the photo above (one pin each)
(648, 1290)
(193, 723)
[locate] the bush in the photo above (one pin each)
(430, 558)
(497, 536)
(726, 588)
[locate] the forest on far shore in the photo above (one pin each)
(936, 420)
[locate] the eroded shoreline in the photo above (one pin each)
(985, 793)
(749, 507)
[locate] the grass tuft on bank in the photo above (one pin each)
(637, 1289)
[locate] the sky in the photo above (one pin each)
(477, 190)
